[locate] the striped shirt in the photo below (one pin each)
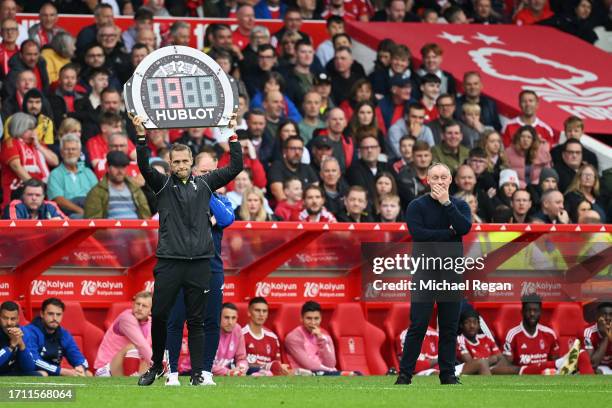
(121, 204)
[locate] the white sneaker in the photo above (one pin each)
(172, 380)
(204, 379)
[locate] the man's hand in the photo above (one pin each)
(137, 122)
(68, 372)
(415, 129)
(16, 338)
(80, 371)
(439, 193)
(233, 122)
(317, 332)
(563, 217)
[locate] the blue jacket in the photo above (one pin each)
(221, 208)
(292, 111)
(15, 361)
(49, 349)
(262, 12)
(17, 210)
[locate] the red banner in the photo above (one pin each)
(571, 76)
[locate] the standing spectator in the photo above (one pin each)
(116, 196)
(33, 205)
(44, 31)
(103, 14)
(431, 54)
(311, 118)
(355, 206)
(521, 205)
(472, 92)
(15, 357)
(314, 206)
(584, 187)
(412, 179)
(571, 160)
(28, 58)
(352, 10)
(289, 209)
(552, 210)
(70, 182)
(574, 129)
(528, 155)
(363, 171)
(9, 47)
(451, 152)
(325, 50)
(342, 75)
(231, 352)
(532, 12)
(245, 16)
(50, 343)
(253, 207)
(290, 165)
(333, 184)
(143, 20)
(529, 102)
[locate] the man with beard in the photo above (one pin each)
(34, 103)
(314, 206)
(290, 165)
(28, 58)
(116, 57)
(15, 358)
(262, 140)
(110, 102)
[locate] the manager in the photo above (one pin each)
(185, 244)
(437, 224)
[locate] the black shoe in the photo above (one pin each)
(452, 380)
(197, 379)
(151, 375)
(403, 379)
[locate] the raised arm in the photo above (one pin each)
(153, 178)
(221, 177)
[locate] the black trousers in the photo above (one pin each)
(448, 321)
(193, 276)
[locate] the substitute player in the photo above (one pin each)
(598, 340)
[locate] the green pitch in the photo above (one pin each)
(333, 392)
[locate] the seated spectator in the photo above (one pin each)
(474, 127)
(529, 103)
(120, 142)
(465, 181)
(179, 34)
(361, 173)
(262, 345)
(475, 347)
(355, 10)
(59, 53)
(472, 201)
(15, 357)
(70, 182)
(143, 19)
(309, 9)
(289, 209)
(28, 59)
(342, 145)
(485, 180)
(598, 340)
(365, 123)
(445, 104)
(450, 152)
(551, 209)
(309, 346)
(532, 348)
(287, 56)
(301, 76)
(98, 81)
(95, 59)
(577, 21)
(334, 185)
(249, 158)
(431, 54)
(231, 357)
(103, 15)
(584, 187)
(532, 12)
(252, 207)
(66, 94)
(10, 31)
(580, 210)
(274, 82)
(508, 184)
(322, 85)
(430, 91)
(33, 104)
(196, 139)
(521, 205)
(549, 180)
(49, 343)
(355, 205)
(528, 155)
(290, 165)
(491, 143)
(406, 144)
(292, 22)
(116, 196)
(23, 157)
(362, 93)
(325, 50)
(413, 124)
(11, 104)
(431, 16)
(484, 13)
(389, 208)
(455, 15)
(573, 129)
(311, 118)
(98, 146)
(243, 182)
(399, 67)
(412, 180)
(33, 205)
(343, 73)
(126, 346)
(116, 57)
(266, 62)
(383, 55)
(472, 92)
(571, 161)
(384, 184)
(397, 11)
(314, 206)
(270, 9)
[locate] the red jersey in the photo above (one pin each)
(263, 350)
(131, 170)
(98, 148)
(353, 10)
(430, 114)
(274, 12)
(544, 131)
(429, 348)
(483, 347)
(240, 39)
(526, 17)
(5, 56)
(524, 349)
(289, 212)
(31, 160)
(592, 340)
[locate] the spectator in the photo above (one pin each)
(33, 104)
(430, 91)
(552, 210)
(465, 180)
(393, 105)
(528, 155)
(445, 105)
(529, 103)
(292, 22)
(342, 74)
(322, 85)
(262, 345)
(243, 182)
(274, 82)
(50, 343)
(253, 207)
(474, 127)
(274, 108)
(397, 11)
(289, 209)
(70, 182)
(532, 12)
(573, 129)
(28, 58)
(406, 144)
(485, 180)
(311, 119)
(64, 98)
(259, 36)
(196, 139)
(287, 129)
(309, 9)
(412, 125)
(362, 92)
(451, 152)
(576, 22)
(384, 184)
(584, 187)
(98, 81)
(23, 157)
(300, 78)
(110, 123)
(116, 196)
(314, 206)
(431, 16)
(455, 15)
(147, 37)
(270, 9)
(334, 185)
(44, 31)
(260, 137)
(180, 34)
(484, 13)
(245, 15)
(8, 10)
(309, 346)
(472, 201)
(597, 339)
(325, 51)
(589, 217)
(549, 180)
(508, 184)
(399, 67)
(9, 46)
(231, 352)
(571, 160)
(355, 205)
(33, 205)
(95, 59)
(249, 159)
(362, 172)
(431, 54)
(127, 339)
(390, 208)
(491, 143)
(472, 92)
(115, 55)
(353, 10)
(521, 205)
(103, 14)
(143, 20)
(365, 122)
(57, 54)
(289, 165)
(15, 358)
(383, 54)
(412, 180)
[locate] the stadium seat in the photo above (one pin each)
(567, 321)
(358, 341)
(397, 320)
(243, 308)
(508, 316)
(86, 335)
(22, 319)
(114, 311)
(287, 319)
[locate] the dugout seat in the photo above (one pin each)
(287, 318)
(508, 316)
(114, 311)
(243, 310)
(22, 319)
(86, 335)
(397, 320)
(568, 322)
(358, 341)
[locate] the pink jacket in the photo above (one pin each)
(231, 352)
(516, 161)
(306, 350)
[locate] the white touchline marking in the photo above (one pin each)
(40, 384)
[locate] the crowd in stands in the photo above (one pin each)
(45, 348)
(323, 140)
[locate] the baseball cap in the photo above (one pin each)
(322, 142)
(322, 78)
(399, 80)
(117, 159)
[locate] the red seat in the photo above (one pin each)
(397, 321)
(358, 341)
(86, 335)
(568, 322)
(287, 318)
(508, 316)
(243, 317)
(22, 319)
(114, 311)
